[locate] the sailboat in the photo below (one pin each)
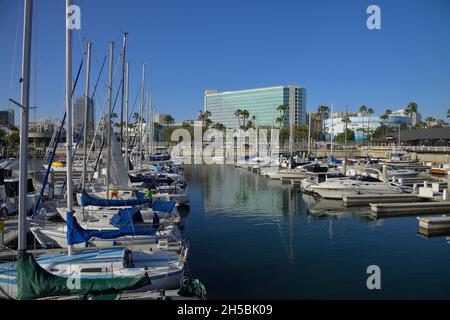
(111, 270)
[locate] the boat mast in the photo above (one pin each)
(141, 116)
(331, 131)
(149, 99)
(309, 133)
(24, 122)
(69, 138)
(344, 167)
(109, 118)
(127, 161)
(124, 48)
(86, 115)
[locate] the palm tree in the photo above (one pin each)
(323, 112)
(204, 118)
(245, 115)
(363, 112)
(168, 119)
(280, 121)
(238, 114)
(429, 120)
(411, 109)
(448, 113)
(370, 112)
(282, 108)
(218, 126)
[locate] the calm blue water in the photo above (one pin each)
(254, 238)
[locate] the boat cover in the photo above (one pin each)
(87, 200)
(34, 282)
(127, 217)
(163, 206)
(76, 234)
(334, 160)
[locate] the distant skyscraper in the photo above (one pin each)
(261, 103)
(7, 117)
(78, 115)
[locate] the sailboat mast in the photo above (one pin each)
(149, 99)
(69, 138)
(141, 115)
(109, 117)
(127, 161)
(309, 133)
(331, 131)
(86, 113)
(124, 48)
(24, 121)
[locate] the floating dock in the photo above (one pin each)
(362, 200)
(382, 210)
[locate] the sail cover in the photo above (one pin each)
(76, 234)
(163, 206)
(87, 200)
(127, 217)
(34, 282)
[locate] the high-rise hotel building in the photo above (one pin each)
(261, 103)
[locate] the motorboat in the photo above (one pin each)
(354, 185)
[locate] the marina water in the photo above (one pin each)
(255, 238)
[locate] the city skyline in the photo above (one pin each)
(188, 49)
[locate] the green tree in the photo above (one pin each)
(282, 108)
(238, 115)
(12, 139)
(204, 117)
(218, 126)
(429, 120)
(370, 112)
(323, 112)
(411, 109)
(168, 119)
(340, 137)
(363, 112)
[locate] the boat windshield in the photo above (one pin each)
(364, 178)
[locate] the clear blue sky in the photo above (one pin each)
(191, 46)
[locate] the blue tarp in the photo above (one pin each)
(163, 206)
(334, 160)
(87, 200)
(76, 234)
(160, 157)
(127, 217)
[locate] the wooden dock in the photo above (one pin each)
(362, 200)
(382, 210)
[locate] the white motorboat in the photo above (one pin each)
(355, 185)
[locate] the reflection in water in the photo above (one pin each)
(255, 238)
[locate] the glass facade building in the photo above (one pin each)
(261, 103)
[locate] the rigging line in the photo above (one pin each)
(14, 60)
(135, 102)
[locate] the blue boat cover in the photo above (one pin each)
(158, 169)
(163, 206)
(334, 160)
(87, 200)
(127, 217)
(160, 157)
(76, 234)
